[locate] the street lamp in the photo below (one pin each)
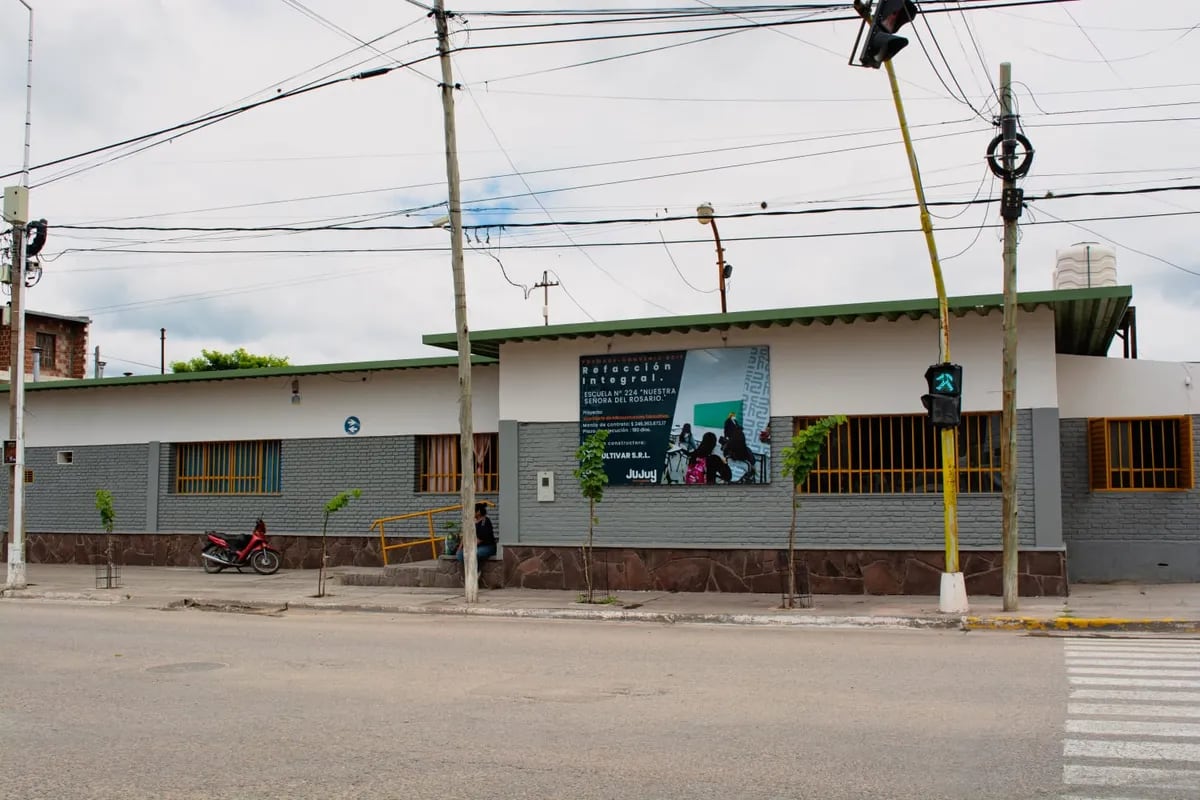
(19, 218)
(704, 215)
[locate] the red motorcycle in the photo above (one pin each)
(240, 550)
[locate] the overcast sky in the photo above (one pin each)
(769, 116)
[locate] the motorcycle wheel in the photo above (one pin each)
(211, 567)
(265, 562)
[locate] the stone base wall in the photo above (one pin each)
(879, 572)
(183, 550)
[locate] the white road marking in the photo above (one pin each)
(1131, 709)
(1166, 673)
(1078, 775)
(1091, 680)
(1093, 661)
(1147, 695)
(1131, 751)
(1128, 727)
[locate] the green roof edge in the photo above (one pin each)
(734, 318)
(256, 372)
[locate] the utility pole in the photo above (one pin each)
(466, 435)
(1010, 210)
(881, 45)
(162, 351)
(545, 285)
(16, 208)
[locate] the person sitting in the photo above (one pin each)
(485, 536)
(714, 466)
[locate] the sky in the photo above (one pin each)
(752, 111)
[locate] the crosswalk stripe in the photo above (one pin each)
(1131, 751)
(1104, 680)
(1136, 671)
(1129, 727)
(1140, 695)
(1106, 647)
(1131, 709)
(1085, 775)
(1094, 661)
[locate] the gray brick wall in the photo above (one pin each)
(62, 497)
(1126, 535)
(745, 516)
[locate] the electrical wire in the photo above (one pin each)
(1075, 224)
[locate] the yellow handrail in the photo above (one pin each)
(432, 541)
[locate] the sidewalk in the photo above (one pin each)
(1091, 607)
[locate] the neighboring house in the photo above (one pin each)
(1106, 468)
(55, 346)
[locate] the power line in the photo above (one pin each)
(630, 220)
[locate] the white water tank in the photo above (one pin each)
(1085, 265)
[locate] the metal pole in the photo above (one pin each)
(16, 377)
(162, 351)
(466, 434)
(720, 260)
(954, 593)
(1008, 415)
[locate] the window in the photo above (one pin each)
(228, 468)
(901, 454)
(1146, 454)
(46, 341)
(437, 468)
(66, 456)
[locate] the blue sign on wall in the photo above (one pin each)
(352, 425)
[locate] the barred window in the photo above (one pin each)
(228, 467)
(438, 463)
(901, 454)
(1143, 454)
(48, 344)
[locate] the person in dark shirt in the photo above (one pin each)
(485, 536)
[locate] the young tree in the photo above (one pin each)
(108, 518)
(798, 461)
(592, 480)
(213, 360)
(335, 504)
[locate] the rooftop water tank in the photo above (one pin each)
(1085, 265)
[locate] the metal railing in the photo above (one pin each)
(433, 539)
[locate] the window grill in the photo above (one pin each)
(438, 468)
(228, 468)
(1140, 454)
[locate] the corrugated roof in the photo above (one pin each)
(1086, 320)
(259, 372)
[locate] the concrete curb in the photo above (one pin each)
(1081, 624)
(71, 597)
(662, 617)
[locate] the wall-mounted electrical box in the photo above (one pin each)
(545, 486)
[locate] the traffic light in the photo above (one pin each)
(944, 401)
(882, 42)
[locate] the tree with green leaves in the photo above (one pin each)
(215, 360)
(108, 519)
(335, 504)
(592, 480)
(798, 461)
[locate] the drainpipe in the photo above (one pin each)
(37, 364)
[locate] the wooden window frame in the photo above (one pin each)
(1153, 466)
(248, 467)
(438, 469)
(47, 358)
(900, 454)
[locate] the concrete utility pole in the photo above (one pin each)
(1008, 424)
(16, 377)
(545, 285)
(465, 431)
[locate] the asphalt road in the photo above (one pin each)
(126, 703)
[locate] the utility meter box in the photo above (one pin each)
(16, 205)
(545, 486)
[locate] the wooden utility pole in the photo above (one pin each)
(545, 285)
(466, 435)
(1011, 211)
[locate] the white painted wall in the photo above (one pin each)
(1120, 387)
(401, 402)
(863, 368)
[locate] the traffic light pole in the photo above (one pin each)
(953, 599)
